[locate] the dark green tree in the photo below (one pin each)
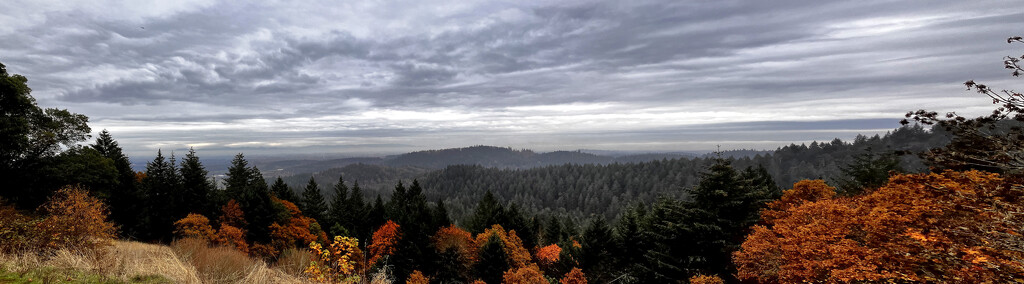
(488, 212)
(162, 189)
(492, 261)
(867, 171)
(28, 136)
(126, 200)
(197, 188)
(340, 214)
(283, 192)
(598, 251)
(313, 204)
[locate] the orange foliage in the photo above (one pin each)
(294, 233)
(575, 276)
(549, 254)
(75, 221)
(517, 255)
(231, 214)
(802, 192)
(232, 236)
(704, 279)
(524, 275)
(195, 226)
(417, 278)
(384, 241)
(457, 239)
(139, 176)
(948, 227)
(478, 281)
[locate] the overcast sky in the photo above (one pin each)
(369, 77)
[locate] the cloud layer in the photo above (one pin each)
(392, 76)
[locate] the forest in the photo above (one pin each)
(938, 200)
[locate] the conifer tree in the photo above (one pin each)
(313, 204)
(282, 191)
(126, 201)
(340, 214)
(598, 251)
(162, 186)
(197, 189)
(359, 211)
(493, 261)
(488, 212)
(239, 177)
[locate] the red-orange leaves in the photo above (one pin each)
(948, 227)
(231, 214)
(384, 241)
(458, 240)
(575, 276)
(524, 275)
(803, 191)
(517, 255)
(548, 255)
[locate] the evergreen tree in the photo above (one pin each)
(359, 212)
(126, 200)
(377, 215)
(440, 215)
(197, 189)
(313, 204)
(488, 212)
(493, 262)
(598, 251)
(867, 171)
(340, 214)
(239, 177)
(258, 207)
(553, 232)
(283, 192)
(162, 186)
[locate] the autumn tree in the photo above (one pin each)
(575, 276)
(384, 241)
(195, 226)
(457, 252)
(75, 220)
(939, 227)
(417, 277)
(524, 275)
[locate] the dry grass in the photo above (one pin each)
(139, 262)
(293, 261)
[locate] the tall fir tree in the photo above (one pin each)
(488, 212)
(313, 204)
(283, 192)
(197, 189)
(239, 177)
(162, 187)
(126, 200)
(340, 215)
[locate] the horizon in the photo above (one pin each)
(364, 79)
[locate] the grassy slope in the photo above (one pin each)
(126, 262)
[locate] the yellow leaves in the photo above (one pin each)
(196, 226)
(417, 278)
(705, 279)
(75, 220)
(336, 264)
(524, 275)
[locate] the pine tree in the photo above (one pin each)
(340, 214)
(197, 189)
(493, 262)
(313, 204)
(126, 200)
(598, 251)
(359, 212)
(282, 191)
(239, 177)
(162, 193)
(488, 212)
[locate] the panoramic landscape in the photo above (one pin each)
(511, 142)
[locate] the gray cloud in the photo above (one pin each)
(644, 74)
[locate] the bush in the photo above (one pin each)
(17, 231)
(74, 221)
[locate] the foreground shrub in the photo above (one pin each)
(950, 227)
(338, 263)
(74, 221)
(17, 231)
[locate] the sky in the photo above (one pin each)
(383, 77)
